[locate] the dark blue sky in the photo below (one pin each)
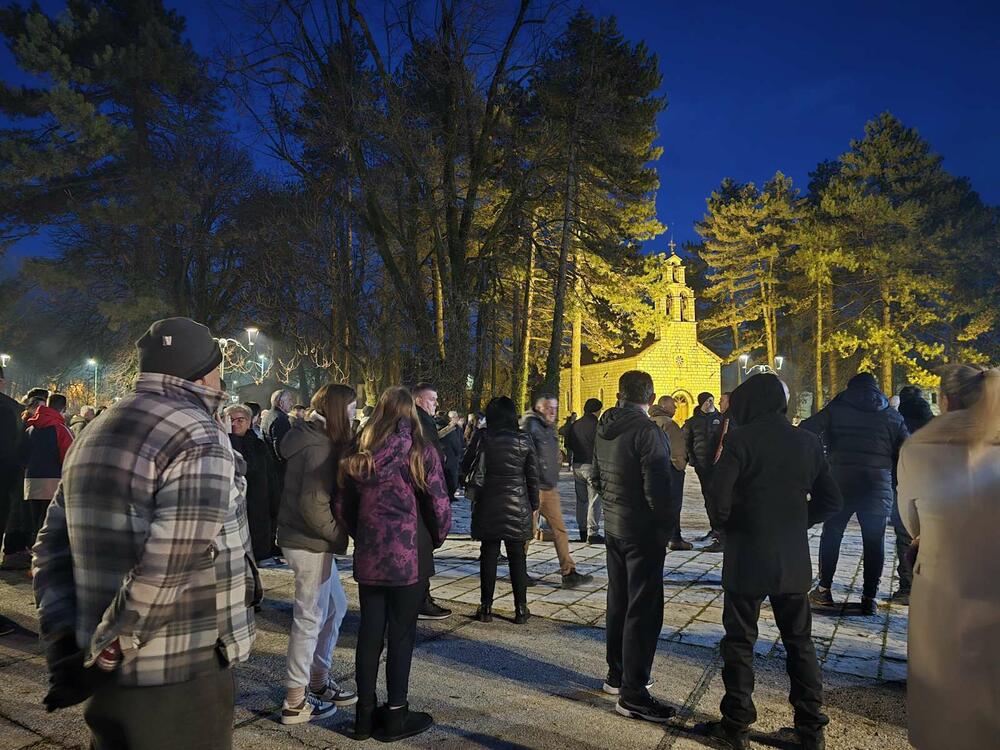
(753, 87)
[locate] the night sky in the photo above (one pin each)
(757, 87)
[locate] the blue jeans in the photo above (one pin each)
(873, 541)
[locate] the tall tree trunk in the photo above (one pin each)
(438, 306)
(554, 360)
(818, 398)
(520, 394)
(832, 359)
(887, 360)
(576, 403)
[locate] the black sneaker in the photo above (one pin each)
(595, 539)
(431, 610)
(812, 740)
(901, 597)
(716, 546)
(614, 687)
(575, 579)
(532, 582)
(821, 597)
(869, 606)
(400, 723)
(653, 710)
(727, 736)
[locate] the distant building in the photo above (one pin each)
(681, 366)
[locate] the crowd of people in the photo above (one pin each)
(144, 526)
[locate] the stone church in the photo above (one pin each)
(681, 366)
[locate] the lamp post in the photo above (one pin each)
(4, 359)
(744, 361)
(223, 345)
(93, 363)
(251, 334)
(263, 361)
(778, 362)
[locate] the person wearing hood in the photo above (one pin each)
(540, 424)
(914, 408)
(309, 536)
(704, 431)
(395, 505)
(452, 439)
(152, 604)
(771, 484)
(949, 497)
(46, 443)
(863, 437)
(632, 473)
(662, 415)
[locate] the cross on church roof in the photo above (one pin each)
(672, 245)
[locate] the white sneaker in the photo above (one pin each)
(312, 708)
(617, 689)
(336, 695)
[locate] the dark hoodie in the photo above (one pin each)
(862, 435)
(770, 485)
(47, 441)
(916, 412)
(632, 473)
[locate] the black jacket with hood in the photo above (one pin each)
(703, 434)
(862, 435)
(770, 485)
(632, 473)
(915, 412)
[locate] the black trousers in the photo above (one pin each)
(37, 509)
(635, 612)
(705, 479)
(677, 498)
(14, 516)
(195, 715)
(387, 613)
(794, 620)
(903, 542)
(872, 551)
(489, 553)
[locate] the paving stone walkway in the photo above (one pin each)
(847, 642)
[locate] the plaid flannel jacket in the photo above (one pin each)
(146, 540)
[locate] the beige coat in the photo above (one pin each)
(949, 496)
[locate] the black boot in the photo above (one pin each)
(727, 735)
(364, 720)
(484, 613)
(521, 614)
(812, 740)
(401, 723)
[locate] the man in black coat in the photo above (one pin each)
(580, 445)
(426, 398)
(452, 439)
(704, 431)
(770, 485)
(632, 473)
(863, 436)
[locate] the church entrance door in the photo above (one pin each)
(683, 400)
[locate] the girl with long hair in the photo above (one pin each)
(395, 505)
(949, 499)
(310, 536)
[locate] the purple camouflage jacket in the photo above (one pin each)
(381, 514)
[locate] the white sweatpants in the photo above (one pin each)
(320, 606)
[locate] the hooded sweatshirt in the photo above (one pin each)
(48, 440)
(632, 473)
(772, 482)
(393, 522)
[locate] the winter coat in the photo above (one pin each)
(386, 513)
(676, 436)
(949, 497)
(916, 413)
(503, 507)
(275, 426)
(453, 448)
(632, 474)
(261, 485)
(305, 517)
(862, 435)
(546, 441)
(11, 432)
(76, 425)
(703, 433)
(45, 446)
(580, 440)
(770, 485)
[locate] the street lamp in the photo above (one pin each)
(4, 359)
(744, 361)
(93, 363)
(263, 360)
(251, 333)
(778, 362)
(223, 345)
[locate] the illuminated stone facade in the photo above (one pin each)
(681, 366)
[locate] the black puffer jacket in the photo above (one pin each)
(703, 434)
(632, 473)
(261, 492)
(546, 443)
(503, 507)
(862, 436)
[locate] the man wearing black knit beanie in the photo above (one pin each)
(158, 523)
(704, 430)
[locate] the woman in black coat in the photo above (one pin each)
(502, 458)
(260, 477)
